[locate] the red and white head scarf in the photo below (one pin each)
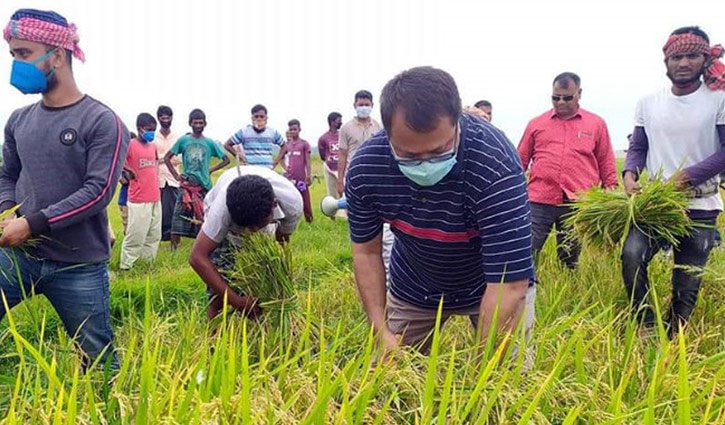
(44, 27)
(682, 44)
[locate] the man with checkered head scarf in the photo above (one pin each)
(679, 132)
(689, 57)
(62, 160)
(47, 42)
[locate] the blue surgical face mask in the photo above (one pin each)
(28, 78)
(428, 172)
(148, 136)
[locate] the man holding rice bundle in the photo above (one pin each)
(680, 133)
(569, 151)
(62, 159)
(247, 199)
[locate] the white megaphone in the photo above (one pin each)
(330, 205)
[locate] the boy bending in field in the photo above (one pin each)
(250, 199)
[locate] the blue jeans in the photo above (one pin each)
(638, 251)
(78, 292)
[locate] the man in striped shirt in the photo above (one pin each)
(256, 144)
(452, 188)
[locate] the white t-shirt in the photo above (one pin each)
(681, 132)
(217, 221)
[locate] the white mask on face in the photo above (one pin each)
(363, 111)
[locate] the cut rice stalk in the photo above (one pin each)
(601, 219)
(263, 269)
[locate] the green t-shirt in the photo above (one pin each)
(196, 156)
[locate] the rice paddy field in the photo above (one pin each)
(590, 365)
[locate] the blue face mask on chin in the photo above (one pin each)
(28, 78)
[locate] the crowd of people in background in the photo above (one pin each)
(443, 210)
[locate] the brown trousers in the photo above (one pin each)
(416, 324)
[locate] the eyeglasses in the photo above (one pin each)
(556, 98)
(260, 117)
(434, 159)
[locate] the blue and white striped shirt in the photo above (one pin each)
(258, 147)
(472, 227)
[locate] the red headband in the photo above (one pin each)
(45, 32)
(714, 72)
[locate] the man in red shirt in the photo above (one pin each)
(569, 151)
(329, 148)
(299, 166)
(143, 233)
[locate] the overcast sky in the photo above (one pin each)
(304, 59)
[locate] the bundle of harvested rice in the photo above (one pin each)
(263, 269)
(601, 219)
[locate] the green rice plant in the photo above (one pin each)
(589, 366)
(601, 219)
(263, 269)
(175, 370)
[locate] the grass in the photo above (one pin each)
(589, 365)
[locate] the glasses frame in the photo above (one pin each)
(567, 98)
(434, 159)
